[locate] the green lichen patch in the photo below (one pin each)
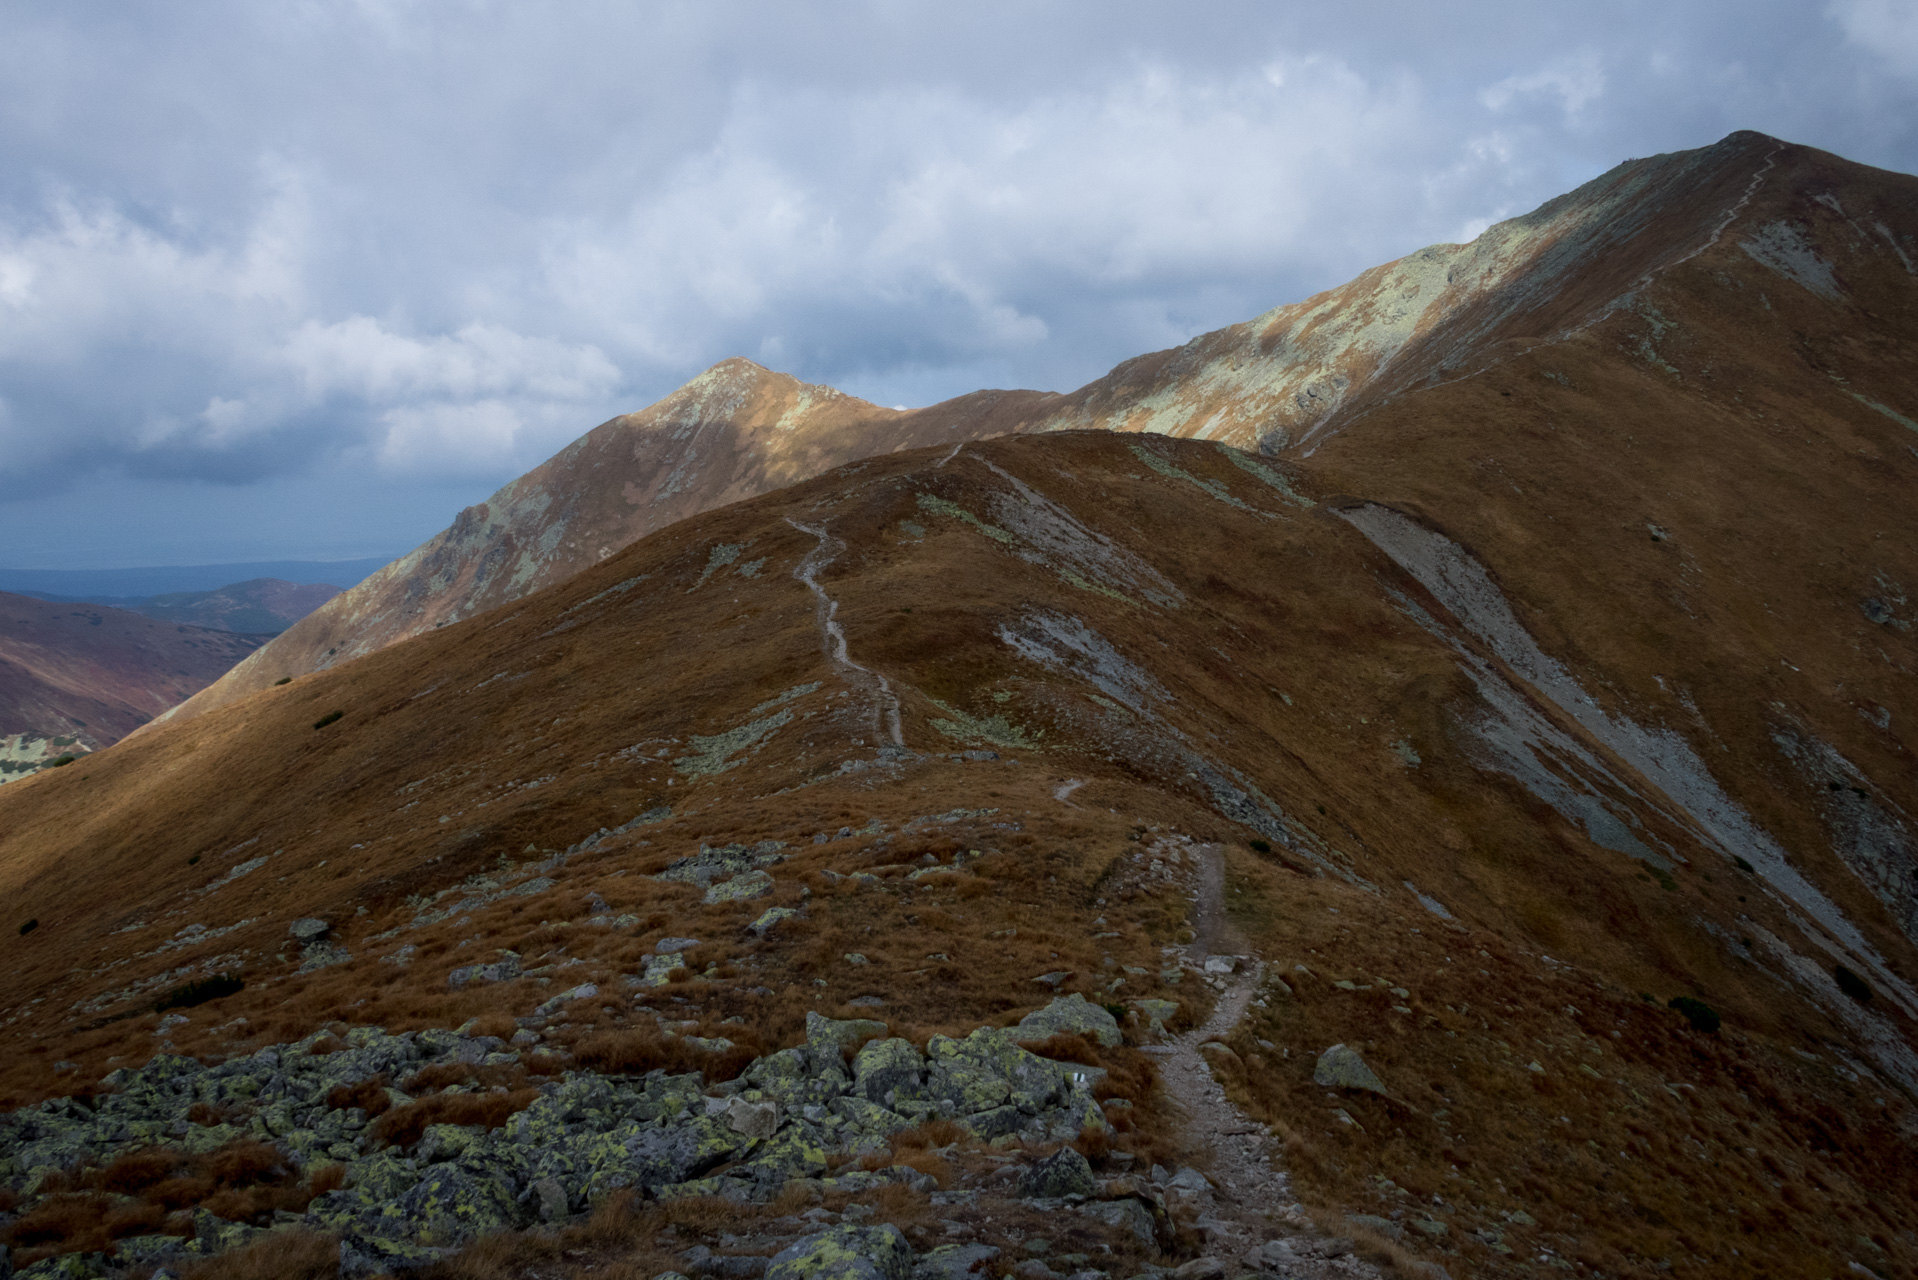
(718, 558)
(714, 754)
(994, 730)
(940, 506)
(1212, 487)
(797, 691)
(1267, 475)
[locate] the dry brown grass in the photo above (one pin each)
(289, 1255)
(368, 1095)
(89, 1208)
(403, 1126)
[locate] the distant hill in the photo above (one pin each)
(263, 606)
(78, 677)
(109, 585)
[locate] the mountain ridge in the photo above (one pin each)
(1283, 381)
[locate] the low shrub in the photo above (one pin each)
(368, 1095)
(60, 762)
(282, 680)
(199, 992)
(403, 1126)
(29, 926)
(1851, 984)
(1701, 1015)
(327, 719)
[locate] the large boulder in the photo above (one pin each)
(845, 1252)
(889, 1071)
(829, 1037)
(1063, 1173)
(954, 1261)
(1341, 1067)
(986, 1070)
(1069, 1015)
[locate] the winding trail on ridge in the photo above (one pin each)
(833, 636)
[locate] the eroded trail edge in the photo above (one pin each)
(1248, 1217)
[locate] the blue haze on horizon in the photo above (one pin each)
(299, 281)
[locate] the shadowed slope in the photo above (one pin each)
(89, 674)
(734, 431)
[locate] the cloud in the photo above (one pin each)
(1887, 28)
(1575, 81)
(242, 245)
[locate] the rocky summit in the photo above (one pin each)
(1412, 785)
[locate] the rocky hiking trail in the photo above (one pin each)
(1248, 1217)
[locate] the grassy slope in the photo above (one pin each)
(520, 732)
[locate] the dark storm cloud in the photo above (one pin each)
(425, 245)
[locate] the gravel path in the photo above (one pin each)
(1249, 1218)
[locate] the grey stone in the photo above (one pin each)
(1063, 1173)
(504, 969)
(1189, 1180)
(752, 1119)
(551, 1194)
(953, 1261)
(1073, 1015)
(584, 991)
(308, 929)
(889, 1071)
(834, 1034)
(845, 1252)
(709, 865)
(1201, 1269)
(1342, 1068)
(741, 888)
(1123, 1215)
(769, 920)
(668, 946)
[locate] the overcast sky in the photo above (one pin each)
(302, 279)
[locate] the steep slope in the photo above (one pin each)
(1000, 709)
(258, 606)
(83, 676)
(734, 431)
(1751, 205)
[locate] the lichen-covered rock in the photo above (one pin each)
(953, 1261)
(829, 1036)
(797, 1077)
(987, 1070)
(659, 969)
(584, 991)
(1069, 1015)
(753, 1119)
(1128, 1214)
(845, 1253)
(505, 969)
(769, 920)
(1063, 1173)
(796, 1152)
(741, 888)
(308, 929)
(869, 1117)
(1157, 1013)
(1341, 1067)
(711, 864)
(889, 1071)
